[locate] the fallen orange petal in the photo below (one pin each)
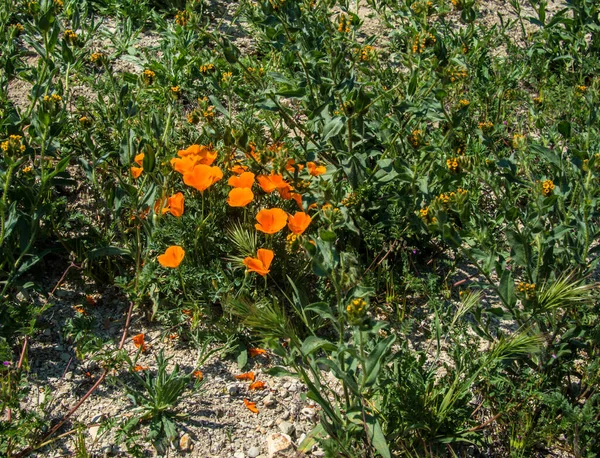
(254, 352)
(251, 406)
(246, 376)
(258, 385)
(198, 375)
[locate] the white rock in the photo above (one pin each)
(287, 428)
(269, 401)
(253, 452)
(277, 443)
(239, 455)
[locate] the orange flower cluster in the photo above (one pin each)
(194, 163)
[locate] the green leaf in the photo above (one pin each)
(373, 362)
(149, 159)
(332, 128)
(507, 289)
(218, 106)
(314, 343)
(564, 128)
(242, 359)
(322, 309)
(376, 437)
(278, 371)
(547, 153)
(107, 251)
(327, 236)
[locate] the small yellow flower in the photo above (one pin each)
(226, 77)
(463, 103)
(182, 18)
(343, 24)
(70, 36)
(96, 58)
(148, 76)
(547, 188)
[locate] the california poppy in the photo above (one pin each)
(240, 197)
(315, 170)
(202, 176)
(139, 342)
(139, 159)
(139, 368)
(184, 165)
(246, 376)
(291, 166)
(238, 169)
(160, 205)
(245, 180)
(175, 205)
(261, 263)
(254, 352)
(298, 198)
(266, 184)
(251, 406)
(299, 222)
(258, 385)
(198, 375)
(172, 257)
(271, 221)
(203, 154)
(136, 171)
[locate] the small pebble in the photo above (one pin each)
(253, 452)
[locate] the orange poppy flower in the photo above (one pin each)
(291, 166)
(159, 205)
(246, 376)
(90, 299)
(136, 171)
(266, 184)
(172, 257)
(79, 309)
(298, 198)
(139, 368)
(251, 406)
(139, 342)
(184, 165)
(238, 169)
(299, 222)
(245, 180)
(175, 205)
(202, 176)
(258, 385)
(261, 263)
(285, 192)
(240, 197)
(254, 352)
(271, 221)
(203, 154)
(139, 159)
(198, 375)
(315, 170)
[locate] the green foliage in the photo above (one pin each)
(442, 295)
